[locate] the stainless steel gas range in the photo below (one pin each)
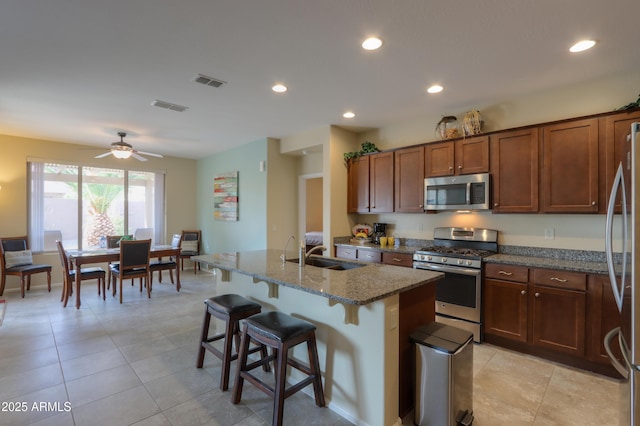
(458, 252)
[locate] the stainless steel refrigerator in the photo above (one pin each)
(622, 241)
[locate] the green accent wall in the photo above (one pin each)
(250, 231)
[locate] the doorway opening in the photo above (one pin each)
(311, 218)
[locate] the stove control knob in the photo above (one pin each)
(429, 258)
(460, 261)
(469, 262)
(444, 260)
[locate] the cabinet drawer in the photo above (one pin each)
(399, 259)
(369, 256)
(347, 253)
(507, 272)
(560, 279)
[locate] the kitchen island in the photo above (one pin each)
(363, 317)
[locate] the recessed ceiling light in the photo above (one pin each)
(582, 45)
(348, 114)
(279, 88)
(435, 89)
(372, 43)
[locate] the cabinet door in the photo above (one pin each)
(570, 167)
(409, 180)
(558, 320)
(358, 185)
(514, 168)
(603, 317)
(381, 183)
(472, 155)
(617, 149)
(505, 309)
(439, 159)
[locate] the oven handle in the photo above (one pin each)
(446, 268)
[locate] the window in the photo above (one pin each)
(81, 205)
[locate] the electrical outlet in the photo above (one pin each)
(549, 234)
(420, 227)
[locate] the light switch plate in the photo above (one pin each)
(549, 234)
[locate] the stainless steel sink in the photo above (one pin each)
(325, 263)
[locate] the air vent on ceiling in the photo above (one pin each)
(208, 81)
(169, 105)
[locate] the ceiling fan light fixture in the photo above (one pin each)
(121, 154)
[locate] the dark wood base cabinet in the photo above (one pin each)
(558, 315)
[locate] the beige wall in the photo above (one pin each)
(314, 204)
(180, 187)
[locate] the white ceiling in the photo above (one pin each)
(79, 71)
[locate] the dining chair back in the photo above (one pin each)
(69, 277)
(134, 263)
(166, 264)
(190, 245)
(16, 259)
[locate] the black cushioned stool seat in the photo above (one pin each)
(230, 308)
(280, 332)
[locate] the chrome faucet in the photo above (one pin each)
(312, 249)
(283, 256)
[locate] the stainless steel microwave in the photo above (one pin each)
(466, 192)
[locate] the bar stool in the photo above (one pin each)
(280, 332)
(230, 308)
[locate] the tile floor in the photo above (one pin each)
(134, 363)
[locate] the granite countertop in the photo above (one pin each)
(357, 286)
(590, 262)
(377, 247)
(576, 265)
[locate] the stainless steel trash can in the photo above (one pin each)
(444, 375)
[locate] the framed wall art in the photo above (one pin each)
(225, 197)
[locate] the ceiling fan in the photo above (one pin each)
(124, 150)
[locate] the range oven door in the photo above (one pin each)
(458, 294)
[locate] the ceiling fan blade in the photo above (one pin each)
(138, 157)
(150, 153)
(103, 155)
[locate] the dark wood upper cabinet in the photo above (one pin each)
(458, 157)
(358, 185)
(617, 148)
(570, 167)
(370, 184)
(409, 180)
(514, 169)
(381, 179)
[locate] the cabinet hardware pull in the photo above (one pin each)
(459, 167)
(537, 295)
(593, 203)
(505, 273)
(495, 204)
(395, 259)
(558, 279)
(523, 292)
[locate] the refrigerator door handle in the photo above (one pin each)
(614, 361)
(618, 185)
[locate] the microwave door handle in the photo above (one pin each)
(468, 193)
(614, 361)
(618, 290)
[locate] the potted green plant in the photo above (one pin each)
(366, 148)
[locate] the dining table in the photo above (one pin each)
(105, 255)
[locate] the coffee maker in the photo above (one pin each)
(379, 230)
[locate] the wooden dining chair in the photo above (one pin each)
(16, 259)
(113, 241)
(166, 264)
(69, 276)
(190, 245)
(134, 263)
